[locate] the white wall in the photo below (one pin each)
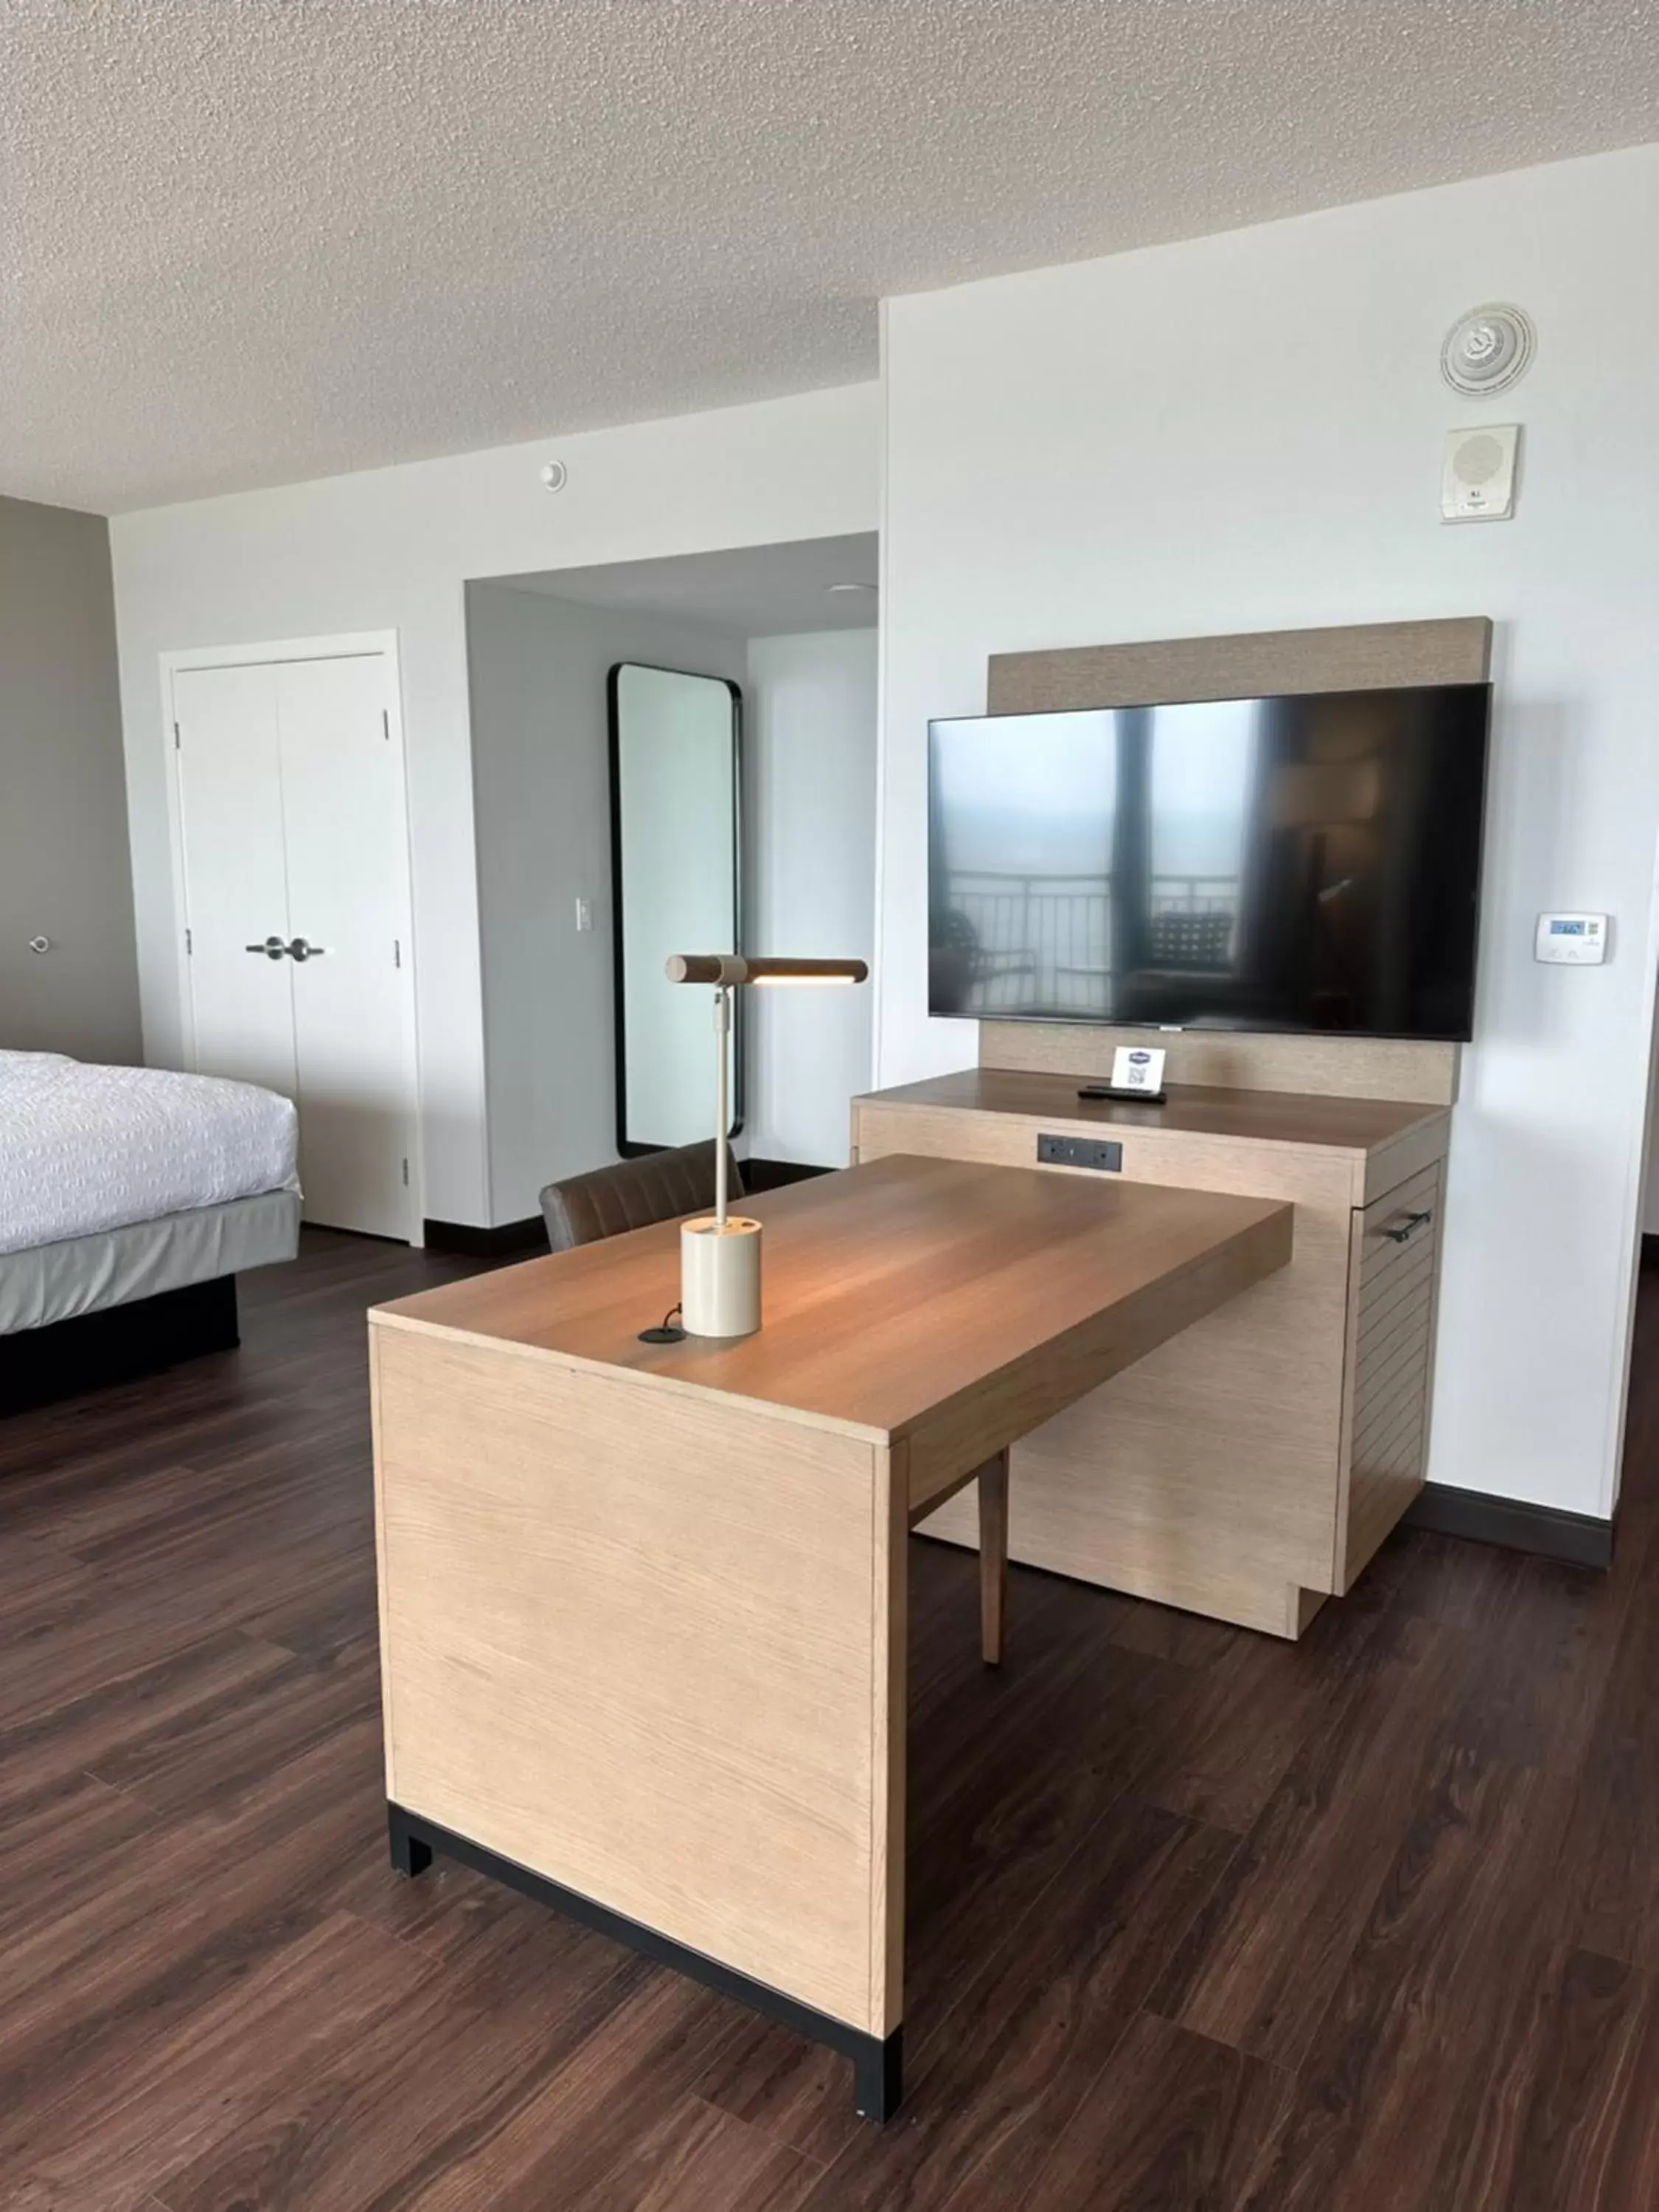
(1244, 433)
(542, 809)
(391, 548)
(810, 797)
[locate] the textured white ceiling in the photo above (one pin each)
(757, 591)
(243, 241)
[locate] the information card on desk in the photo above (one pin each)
(1134, 1068)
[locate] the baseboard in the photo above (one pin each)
(1577, 1539)
(773, 1175)
(472, 1243)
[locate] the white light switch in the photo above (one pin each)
(1572, 940)
(584, 913)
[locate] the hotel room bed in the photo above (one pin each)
(129, 1200)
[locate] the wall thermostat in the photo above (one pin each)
(1572, 940)
(1477, 475)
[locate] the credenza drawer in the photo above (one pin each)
(1395, 1267)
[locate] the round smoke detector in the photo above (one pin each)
(1487, 350)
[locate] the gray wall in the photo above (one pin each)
(65, 870)
(541, 800)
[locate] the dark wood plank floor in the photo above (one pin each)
(1198, 1920)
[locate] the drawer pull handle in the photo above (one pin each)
(1405, 1229)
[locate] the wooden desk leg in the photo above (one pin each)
(877, 2063)
(993, 1559)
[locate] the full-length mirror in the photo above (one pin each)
(676, 849)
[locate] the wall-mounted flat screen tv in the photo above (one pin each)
(1301, 863)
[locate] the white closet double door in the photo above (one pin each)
(294, 857)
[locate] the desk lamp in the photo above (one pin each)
(720, 1253)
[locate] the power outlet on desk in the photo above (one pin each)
(1080, 1153)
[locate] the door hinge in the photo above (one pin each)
(396, 952)
(175, 737)
(385, 723)
(190, 944)
(405, 1175)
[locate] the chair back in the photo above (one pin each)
(656, 1186)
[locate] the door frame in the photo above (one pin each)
(348, 645)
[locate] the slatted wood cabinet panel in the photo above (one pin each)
(1249, 1468)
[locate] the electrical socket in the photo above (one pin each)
(1105, 1152)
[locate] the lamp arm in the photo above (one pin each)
(722, 1114)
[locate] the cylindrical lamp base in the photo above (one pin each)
(720, 1276)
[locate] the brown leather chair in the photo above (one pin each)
(609, 1202)
(661, 1186)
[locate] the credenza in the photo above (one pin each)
(1250, 1468)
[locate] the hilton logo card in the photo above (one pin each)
(1134, 1068)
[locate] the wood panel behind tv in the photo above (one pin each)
(1370, 656)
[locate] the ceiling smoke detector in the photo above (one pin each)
(1487, 350)
(850, 587)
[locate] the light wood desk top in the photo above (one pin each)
(897, 1294)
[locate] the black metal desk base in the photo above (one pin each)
(877, 2064)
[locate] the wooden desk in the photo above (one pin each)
(642, 1607)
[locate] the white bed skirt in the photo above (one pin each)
(83, 1275)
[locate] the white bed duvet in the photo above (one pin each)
(85, 1148)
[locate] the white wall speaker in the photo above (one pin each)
(1488, 350)
(1477, 478)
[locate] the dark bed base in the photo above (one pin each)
(38, 1365)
